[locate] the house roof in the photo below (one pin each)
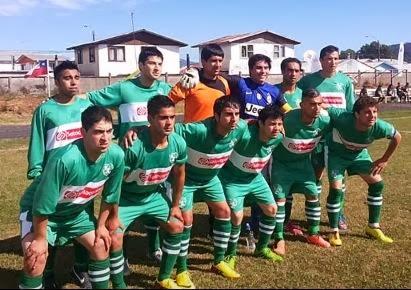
(30, 58)
(141, 36)
(249, 36)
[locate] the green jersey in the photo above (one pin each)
(147, 167)
(207, 151)
(53, 126)
(300, 139)
(131, 98)
(337, 91)
(294, 98)
(347, 141)
(249, 156)
(71, 181)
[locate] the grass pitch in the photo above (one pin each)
(359, 263)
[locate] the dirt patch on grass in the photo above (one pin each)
(18, 109)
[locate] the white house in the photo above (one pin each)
(118, 55)
(353, 66)
(238, 48)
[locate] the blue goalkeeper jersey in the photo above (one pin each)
(253, 97)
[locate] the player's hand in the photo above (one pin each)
(113, 223)
(129, 137)
(175, 213)
(103, 233)
(190, 78)
(36, 249)
(378, 166)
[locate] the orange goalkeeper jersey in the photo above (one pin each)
(199, 101)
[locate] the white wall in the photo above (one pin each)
(238, 64)
(102, 67)
(7, 67)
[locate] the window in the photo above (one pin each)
(276, 51)
(283, 51)
(79, 54)
(247, 51)
(116, 53)
(92, 54)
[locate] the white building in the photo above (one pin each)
(118, 55)
(238, 48)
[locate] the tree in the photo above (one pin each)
(348, 53)
(375, 50)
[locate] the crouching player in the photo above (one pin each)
(352, 133)
(149, 161)
(241, 178)
(73, 177)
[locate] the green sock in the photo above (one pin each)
(171, 249)
(153, 235)
(99, 272)
(288, 208)
(233, 241)
(313, 214)
(116, 270)
(81, 257)
(29, 282)
(181, 263)
(279, 221)
(266, 229)
(221, 235)
(49, 269)
(374, 200)
(333, 207)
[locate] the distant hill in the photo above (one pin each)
(407, 51)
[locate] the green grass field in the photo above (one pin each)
(359, 263)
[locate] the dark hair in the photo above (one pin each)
(256, 58)
(328, 49)
(270, 112)
(94, 114)
(156, 103)
(225, 102)
(63, 66)
(364, 102)
(211, 50)
(310, 93)
(148, 51)
(288, 60)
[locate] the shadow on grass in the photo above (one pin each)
(9, 278)
(11, 246)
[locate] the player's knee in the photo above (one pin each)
(117, 241)
(376, 188)
(99, 250)
(175, 227)
(270, 210)
(39, 265)
(223, 211)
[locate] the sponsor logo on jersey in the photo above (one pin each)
(62, 135)
(334, 99)
(149, 176)
(71, 134)
(349, 145)
(249, 164)
(253, 109)
(207, 161)
(81, 194)
(300, 146)
(107, 168)
(133, 112)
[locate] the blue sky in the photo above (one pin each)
(58, 24)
